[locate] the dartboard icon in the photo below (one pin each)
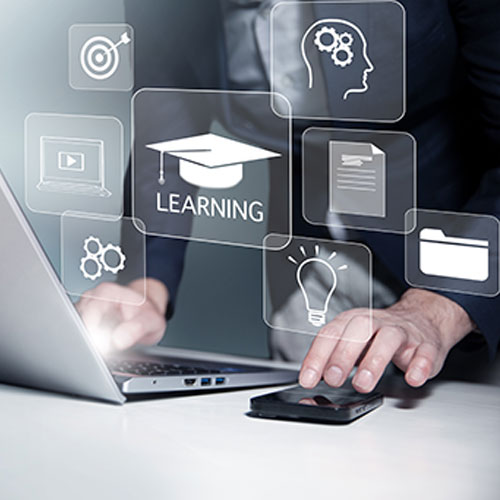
(99, 56)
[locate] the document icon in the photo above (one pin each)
(450, 257)
(357, 179)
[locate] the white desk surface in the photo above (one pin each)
(442, 442)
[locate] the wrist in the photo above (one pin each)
(447, 316)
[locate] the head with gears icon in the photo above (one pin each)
(345, 48)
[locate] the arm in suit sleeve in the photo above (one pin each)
(162, 61)
(478, 29)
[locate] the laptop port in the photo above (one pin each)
(189, 381)
(206, 381)
(220, 380)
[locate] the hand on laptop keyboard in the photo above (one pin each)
(112, 320)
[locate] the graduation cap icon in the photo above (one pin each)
(210, 160)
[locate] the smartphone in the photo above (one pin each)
(322, 404)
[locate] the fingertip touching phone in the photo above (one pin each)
(322, 404)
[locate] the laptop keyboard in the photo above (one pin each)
(147, 368)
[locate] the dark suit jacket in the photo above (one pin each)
(453, 111)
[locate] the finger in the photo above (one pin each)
(129, 310)
(93, 313)
(136, 313)
(106, 303)
(385, 344)
(99, 301)
(424, 365)
(308, 402)
(146, 327)
(357, 334)
(319, 352)
(154, 337)
(404, 355)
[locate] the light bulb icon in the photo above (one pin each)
(316, 303)
(316, 306)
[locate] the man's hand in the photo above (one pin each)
(112, 319)
(416, 334)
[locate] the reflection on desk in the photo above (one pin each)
(441, 442)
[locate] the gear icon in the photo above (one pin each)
(98, 258)
(83, 266)
(342, 61)
(121, 258)
(320, 34)
(346, 39)
(88, 242)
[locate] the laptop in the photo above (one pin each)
(72, 166)
(44, 343)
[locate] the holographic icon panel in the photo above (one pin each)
(101, 57)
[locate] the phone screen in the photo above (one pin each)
(323, 404)
(334, 398)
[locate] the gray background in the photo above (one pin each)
(219, 305)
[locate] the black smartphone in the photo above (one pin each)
(322, 404)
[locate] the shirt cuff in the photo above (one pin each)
(484, 312)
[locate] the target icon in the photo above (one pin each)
(99, 56)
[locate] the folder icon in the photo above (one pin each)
(451, 257)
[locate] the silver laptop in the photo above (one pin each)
(44, 343)
(72, 166)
